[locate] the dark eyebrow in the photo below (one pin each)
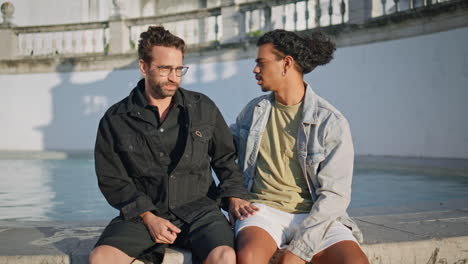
(259, 60)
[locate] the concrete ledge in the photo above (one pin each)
(423, 237)
(447, 250)
(49, 259)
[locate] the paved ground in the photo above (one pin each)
(426, 237)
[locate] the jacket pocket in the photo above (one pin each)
(134, 153)
(200, 136)
(312, 167)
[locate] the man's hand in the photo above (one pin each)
(161, 230)
(239, 208)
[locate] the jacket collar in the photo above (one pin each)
(309, 114)
(136, 101)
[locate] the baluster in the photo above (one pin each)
(24, 44)
(318, 13)
(384, 7)
(250, 21)
(411, 4)
(397, 5)
(74, 42)
(185, 34)
(307, 15)
(104, 41)
(283, 18)
(84, 42)
(267, 13)
(43, 49)
(330, 12)
(217, 29)
(295, 15)
(93, 41)
(54, 45)
(342, 10)
(260, 17)
(64, 42)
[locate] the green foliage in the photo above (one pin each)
(254, 34)
(106, 49)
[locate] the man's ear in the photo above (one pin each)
(143, 67)
(288, 62)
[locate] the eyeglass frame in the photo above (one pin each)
(183, 70)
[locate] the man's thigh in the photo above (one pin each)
(272, 221)
(129, 236)
(206, 233)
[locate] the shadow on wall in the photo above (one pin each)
(81, 98)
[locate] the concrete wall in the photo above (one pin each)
(404, 97)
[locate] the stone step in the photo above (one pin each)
(425, 237)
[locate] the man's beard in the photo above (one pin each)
(158, 90)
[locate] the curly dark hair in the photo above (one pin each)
(308, 51)
(157, 36)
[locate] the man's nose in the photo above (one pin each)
(172, 75)
(256, 69)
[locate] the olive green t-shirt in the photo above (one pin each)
(279, 181)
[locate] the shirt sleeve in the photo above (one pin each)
(113, 180)
(223, 161)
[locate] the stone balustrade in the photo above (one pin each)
(229, 23)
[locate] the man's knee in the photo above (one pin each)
(246, 255)
(107, 254)
(221, 254)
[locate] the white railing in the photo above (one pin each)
(70, 39)
(292, 15)
(195, 27)
(232, 23)
(387, 7)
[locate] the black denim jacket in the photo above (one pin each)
(131, 174)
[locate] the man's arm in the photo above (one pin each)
(334, 178)
(223, 161)
(116, 186)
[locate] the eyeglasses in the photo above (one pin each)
(165, 70)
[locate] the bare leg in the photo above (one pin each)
(255, 245)
(344, 252)
(290, 258)
(221, 254)
(108, 254)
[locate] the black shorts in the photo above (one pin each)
(203, 234)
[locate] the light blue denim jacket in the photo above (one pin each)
(326, 155)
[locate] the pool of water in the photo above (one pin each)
(44, 190)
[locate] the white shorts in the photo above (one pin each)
(282, 226)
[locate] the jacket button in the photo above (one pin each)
(161, 130)
(161, 154)
(172, 176)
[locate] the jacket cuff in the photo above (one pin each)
(301, 249)
(140, 205)
(235, 192)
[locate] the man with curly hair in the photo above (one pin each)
(154, 153)
(296, 154)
